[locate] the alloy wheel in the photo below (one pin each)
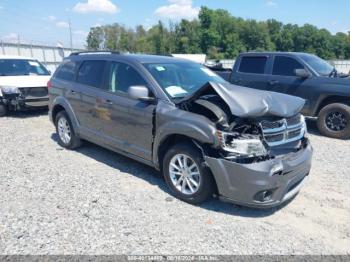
(336, 121)
(64, 130)
(184, 174)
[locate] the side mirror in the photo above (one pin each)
(140, 93)
(302, 73)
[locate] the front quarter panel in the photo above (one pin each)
(171, 120)
(326, 87)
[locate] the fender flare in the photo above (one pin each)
(61, 101)
(203, 133)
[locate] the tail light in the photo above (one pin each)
(49, 85)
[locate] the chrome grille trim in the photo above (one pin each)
(284, 133)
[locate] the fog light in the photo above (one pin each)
(264, 196)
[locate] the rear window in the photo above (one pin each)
(67, 71)
(91, 73)
(253, 64)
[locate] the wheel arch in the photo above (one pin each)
(174, 139)
(330, 100)
(55, 110)
(60, 104)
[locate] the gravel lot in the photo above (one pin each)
(93, 201)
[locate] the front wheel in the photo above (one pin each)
(334, 121)
(186, 175)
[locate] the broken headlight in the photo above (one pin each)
(9, 90)
(241, 146)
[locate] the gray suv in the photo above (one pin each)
(207, 136)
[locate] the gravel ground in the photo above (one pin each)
(93, 201)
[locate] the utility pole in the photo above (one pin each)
(18, 45)
(70, 35)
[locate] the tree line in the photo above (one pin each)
(221, 36)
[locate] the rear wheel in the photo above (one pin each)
(66, 135)
(334, 121)
(186, 175)
(3, 110)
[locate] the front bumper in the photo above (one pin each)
(23, 103)
(278, 179)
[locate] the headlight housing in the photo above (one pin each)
(10, 90)
(242, 147)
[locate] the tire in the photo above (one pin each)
(64, 126)
(334, 121)
(3, 110)
(205, 183)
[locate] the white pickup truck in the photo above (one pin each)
(23, 84)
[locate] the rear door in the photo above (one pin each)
(89, 86)
(251, 71)
(65, 85)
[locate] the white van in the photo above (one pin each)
(23, 84)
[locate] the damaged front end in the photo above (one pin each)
(251, 125)
(15, 99)
(263, 154)
(10, 97)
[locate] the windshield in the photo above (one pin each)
(19, 67)
(179, 80)
(319, 65)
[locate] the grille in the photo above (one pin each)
(34, 92)
(274, 138)
(270, 125)
(283, 131)
(295, 120)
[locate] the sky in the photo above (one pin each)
(47, 21)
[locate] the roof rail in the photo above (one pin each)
(95, 52)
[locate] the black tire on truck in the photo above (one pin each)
(186, 175)
(334, 121)
(3, 110)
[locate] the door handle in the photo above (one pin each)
(72, 92)
(273, 82)
(109, 102)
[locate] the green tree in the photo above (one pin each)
(95, 38)
(220, 35)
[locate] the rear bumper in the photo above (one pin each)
(264, 184)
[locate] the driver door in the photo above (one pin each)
(130, 123)
(284, 80)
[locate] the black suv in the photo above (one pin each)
(326, 92)
(207, 136)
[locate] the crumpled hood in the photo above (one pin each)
(247, 102)
(24, 81)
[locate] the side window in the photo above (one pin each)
(253, 64)
(91, 73)
(285, 66)
(122, 76)
(67, 71)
